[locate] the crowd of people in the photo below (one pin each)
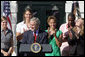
(68, 40)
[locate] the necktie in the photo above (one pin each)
(35, 37)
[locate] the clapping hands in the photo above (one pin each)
(51, 32)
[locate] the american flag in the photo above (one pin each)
(75, 9)
(7, 13)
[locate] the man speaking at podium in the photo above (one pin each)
(35, 35)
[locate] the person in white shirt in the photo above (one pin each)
(25, 24)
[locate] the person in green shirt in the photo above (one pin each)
(54, 36)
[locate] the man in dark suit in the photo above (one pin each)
(29, 38)
(35, 35)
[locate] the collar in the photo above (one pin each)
(3, 30)
(36, 32)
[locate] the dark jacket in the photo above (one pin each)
(28, 37)
(76, 45)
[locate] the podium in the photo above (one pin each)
(25, 50)
(45, 48)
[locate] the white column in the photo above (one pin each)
(14, 21)
(81, 5)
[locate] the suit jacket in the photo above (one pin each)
(28, 37)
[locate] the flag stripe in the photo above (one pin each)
(9, 22)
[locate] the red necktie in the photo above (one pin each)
(35, 37)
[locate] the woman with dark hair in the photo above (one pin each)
(54, 36)
(25, 24)
(6, 38)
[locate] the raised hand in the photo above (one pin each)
(54, 33)
(49, 33)
(70, 34)
(6, 54)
